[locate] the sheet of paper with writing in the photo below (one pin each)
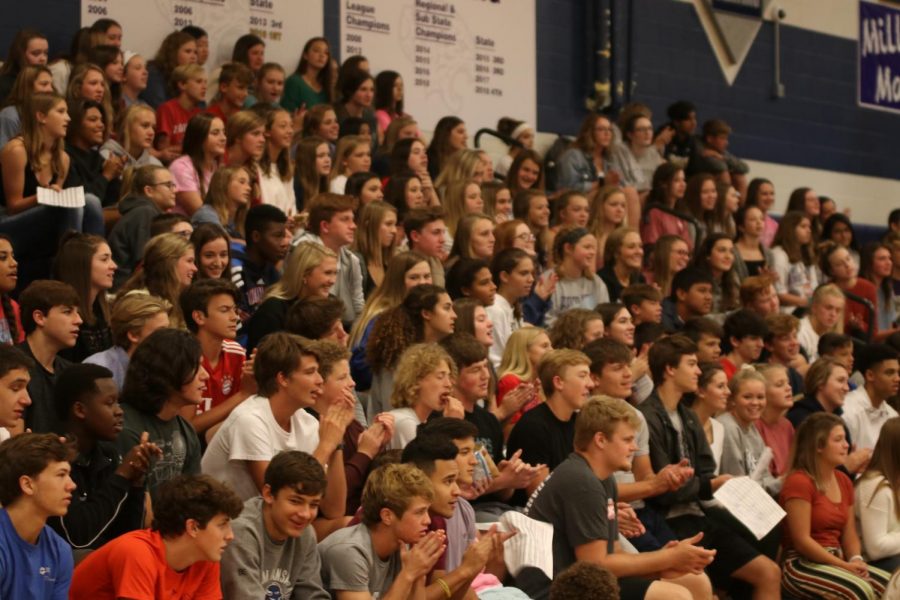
(750, 504)
(532, 546)
(68, 198)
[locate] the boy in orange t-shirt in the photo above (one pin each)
(177, 558)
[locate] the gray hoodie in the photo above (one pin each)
(254, 566)
(130, 234)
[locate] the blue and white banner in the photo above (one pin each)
(878, 83)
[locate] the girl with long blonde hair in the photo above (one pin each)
(518, 374)
(462, 165)
(474, 238)
(309, 271)
(461, 198)
(135, 129)
(353, 155)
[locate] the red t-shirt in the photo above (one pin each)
(134, 566)
(729, 367)
(225, 379)
(216, 111)
(827, 518)
(508, 383)
(865, 289)
(172, 120)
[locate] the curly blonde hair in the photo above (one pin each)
(568, 330)
(416, 363)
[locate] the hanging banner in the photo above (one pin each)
(879, 57)
(471, 58)
(284, 25)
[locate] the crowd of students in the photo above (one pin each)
(288, 335)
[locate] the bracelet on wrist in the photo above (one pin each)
(444, 586)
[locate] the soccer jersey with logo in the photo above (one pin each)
(225, 378)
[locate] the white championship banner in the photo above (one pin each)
(475, 59)
(284, 25)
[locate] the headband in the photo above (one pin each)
(522, 128)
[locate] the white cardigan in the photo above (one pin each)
(877, 514)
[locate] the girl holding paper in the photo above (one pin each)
(822, 551)
(37, 158)
(743, 448)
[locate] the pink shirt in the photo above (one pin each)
(770, 226)
(186, 178)
(778, 438)
(659, 223)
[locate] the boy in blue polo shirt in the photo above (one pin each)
(35, 563)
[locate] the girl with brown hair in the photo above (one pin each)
(85, 262)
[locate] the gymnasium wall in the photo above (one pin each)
(815, 135)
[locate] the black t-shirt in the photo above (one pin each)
(490, 432)
(41, 416)
(581, 508)
(543, 439)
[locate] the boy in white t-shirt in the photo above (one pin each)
(287, 376)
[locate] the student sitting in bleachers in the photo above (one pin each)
(132, 319)
(821, 545)
(675, 434)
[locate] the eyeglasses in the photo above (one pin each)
(169, 184)
(643, 129)
(526, 237)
